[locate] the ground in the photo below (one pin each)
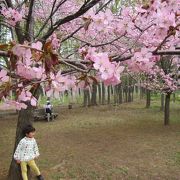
(125, 142)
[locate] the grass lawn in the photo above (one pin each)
(125, 142)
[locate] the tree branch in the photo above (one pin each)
(74, 32)
(50, 16)
(99, 45)
(70, 18)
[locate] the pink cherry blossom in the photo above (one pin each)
(3, 76)
(55, 41)
(37, 45)
(12, 15)
(14, 104)
(27, 96)
(59, 84)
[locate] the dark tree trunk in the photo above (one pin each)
(136, 89)
(166, 110)
(25, 118)
(148, 98)
(129, 94)
(112, 90)
(129, 83)
(100, 95)
(132, 93)
(87, 100)
(94, 95)
(79, 92)
(126, 94)
(141, 92)
(115, 95)
(103, 94)
(162, 102)
(120, 94)
(109, 94)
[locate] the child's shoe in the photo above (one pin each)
(40, 177)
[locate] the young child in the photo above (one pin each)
(26, 152)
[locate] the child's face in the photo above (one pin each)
(31, 134)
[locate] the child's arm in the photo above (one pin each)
(36, 150)
(17, 153)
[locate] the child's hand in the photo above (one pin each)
(36, 157)
(18, 161)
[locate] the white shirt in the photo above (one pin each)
(26, 150)
(48, 106)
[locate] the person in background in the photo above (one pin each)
(48, 109)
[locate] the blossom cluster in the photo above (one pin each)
(12, 16)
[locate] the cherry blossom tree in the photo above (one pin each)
(105, 42)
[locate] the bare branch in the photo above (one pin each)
(74, 32)
(167, 52)
(99, 45)
(73, 66)
(53, 11)
(70, 18)
(165, 39)
(9, 3)
(29, 22)
(4, 54)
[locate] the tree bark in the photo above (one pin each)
(129, 94)
(25, 118)
(109, 94)
(103, 94)
(162, 102)
(85, 103)
(115, 94)
(136, 89)
(112, 90)
(166, 110)
(126, 94)
(120, 94)
(94, 95)
(99, 91)
(148, 98)
(132, 93)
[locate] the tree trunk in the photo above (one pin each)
(103, 94)
(112, 90)
(109, 94)
(120, 94)
(129, 94)
(136, 89)
(166, 110)
(126, 94)
(88, 98)
(25, 118)
(99, 91)
(162, 102)
(79, 92)
(132, 95)
(148, 98)
(115, 95)
(94, 93)
(85, 98)
(141, 92)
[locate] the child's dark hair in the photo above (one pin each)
(28, 129)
